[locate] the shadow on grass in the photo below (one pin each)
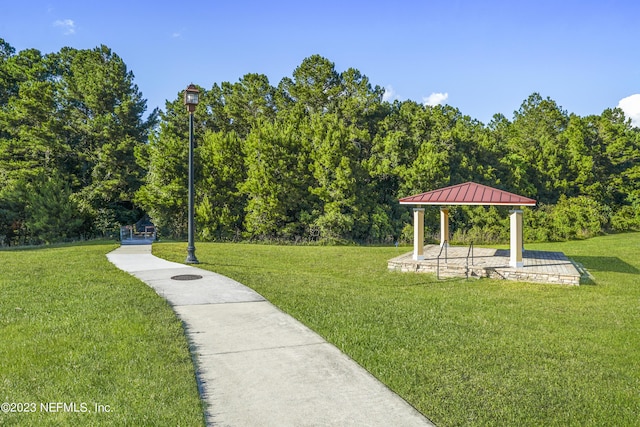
(92, 242)
(606, 263)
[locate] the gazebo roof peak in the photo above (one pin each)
(469, 193)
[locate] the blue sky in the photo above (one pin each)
(483, 57)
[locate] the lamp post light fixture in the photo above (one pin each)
(191, 100)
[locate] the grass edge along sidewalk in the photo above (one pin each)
(476, 352)
(84, 343)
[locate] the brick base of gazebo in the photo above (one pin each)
(539, 266)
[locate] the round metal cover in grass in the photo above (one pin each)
(187, 277)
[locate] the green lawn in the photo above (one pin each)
(76, 331)
(476, 352)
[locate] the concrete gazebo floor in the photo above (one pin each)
(539, 266)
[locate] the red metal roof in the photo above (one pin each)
(468, 193)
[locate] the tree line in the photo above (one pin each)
(318, 157)
(322, 157)
(70, 123)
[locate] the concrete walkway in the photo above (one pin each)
(258, 365)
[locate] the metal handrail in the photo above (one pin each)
(444, 246)
(470, 251)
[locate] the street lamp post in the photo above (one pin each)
(191, 100)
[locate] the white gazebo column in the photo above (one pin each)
(418, 234)
(444, 226)
(516, 247)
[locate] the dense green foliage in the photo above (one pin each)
(319, 157)
(466, 352)
(70, 123)
(323, 157)
(77, 330)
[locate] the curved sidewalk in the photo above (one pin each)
(258, 365)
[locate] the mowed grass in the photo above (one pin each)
(466, 352)
(75, 330)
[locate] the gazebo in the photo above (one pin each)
(469, 193)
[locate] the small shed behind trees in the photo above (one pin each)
(469, 193)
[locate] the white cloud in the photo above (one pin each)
(67, 25)
(390, 94)
(631, 107)
(435, 99)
